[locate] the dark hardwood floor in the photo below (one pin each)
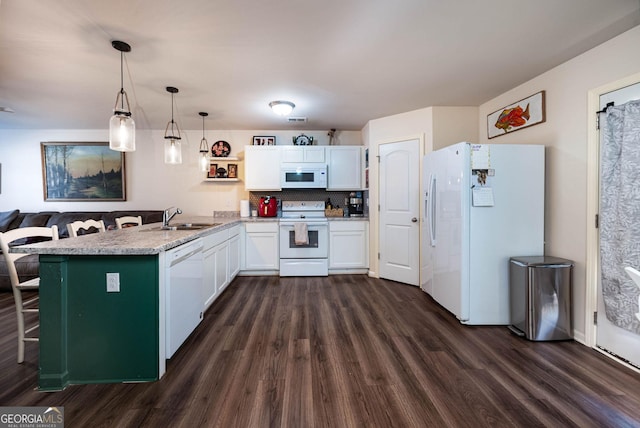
(342, 351)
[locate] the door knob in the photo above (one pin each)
(414, 220)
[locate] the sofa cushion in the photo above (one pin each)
(33, 220)
(6, 218)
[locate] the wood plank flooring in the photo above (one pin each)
(343, 351)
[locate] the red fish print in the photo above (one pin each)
(512, 117)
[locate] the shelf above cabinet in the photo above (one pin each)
(223, 163)
(223, 159)
(228, 180)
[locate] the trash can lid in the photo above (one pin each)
(542, 261)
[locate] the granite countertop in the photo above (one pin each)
(257, 219)
(348, 218)
(147, 239)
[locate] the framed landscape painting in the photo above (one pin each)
(82, 172)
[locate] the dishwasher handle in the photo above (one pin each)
(184, 251)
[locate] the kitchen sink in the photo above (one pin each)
(183, 226)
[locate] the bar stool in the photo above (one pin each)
(30, 305)
(76, 226)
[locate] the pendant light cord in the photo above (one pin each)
(122, 79)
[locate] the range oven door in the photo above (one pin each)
(317, 248)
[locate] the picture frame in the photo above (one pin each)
(232, 170)
(213, 170)
(82, 171)
(519, 115)
(264, 140)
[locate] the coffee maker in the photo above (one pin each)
(356, 207)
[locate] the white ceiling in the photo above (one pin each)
(342, 62)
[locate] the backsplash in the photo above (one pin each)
(337, 198)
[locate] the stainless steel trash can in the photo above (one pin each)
(540, 297)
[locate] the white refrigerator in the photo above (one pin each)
(482, 205)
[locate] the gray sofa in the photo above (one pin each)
(28, 266)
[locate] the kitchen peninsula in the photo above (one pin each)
(103, 301)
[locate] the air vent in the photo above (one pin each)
(296, 119)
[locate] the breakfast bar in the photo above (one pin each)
(103, 303)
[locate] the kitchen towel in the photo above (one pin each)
(244, 208)
(301, 234)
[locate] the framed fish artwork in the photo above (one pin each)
(519, 115)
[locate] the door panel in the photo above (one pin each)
(400, 211)
(610, 337)
(448, 249)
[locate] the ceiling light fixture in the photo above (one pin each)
(204, 147)
(172, 149)
(282, 108)
(122, 128)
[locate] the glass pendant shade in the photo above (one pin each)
(172, 146)
(204, 158)
(172, 152)
(122, 127)
(204, 148)
(122, 132)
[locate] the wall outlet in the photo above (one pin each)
(113, 282)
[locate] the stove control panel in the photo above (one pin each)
(303, 205)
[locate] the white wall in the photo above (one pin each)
(436, 126)
(151, 184)
(565, 136)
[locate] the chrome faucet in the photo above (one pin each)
(167, 215)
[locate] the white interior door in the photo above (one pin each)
(609, 337)
(400, 211)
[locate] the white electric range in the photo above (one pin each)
(310, 258)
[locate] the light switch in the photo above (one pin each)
(113, 282)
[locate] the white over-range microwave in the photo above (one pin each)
(303, 176)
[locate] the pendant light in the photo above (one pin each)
(122, 128)
(204, 147)
(172, 149)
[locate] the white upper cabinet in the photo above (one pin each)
(344, 165)
(297, 154)
(262, 167)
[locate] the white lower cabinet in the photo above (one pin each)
(348, 245)
(261, 247)
(234, 253)
(208, 277)
(221, 258)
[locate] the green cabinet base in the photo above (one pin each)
(89, 335)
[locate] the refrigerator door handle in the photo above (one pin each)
(431, 209)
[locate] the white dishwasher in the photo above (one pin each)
(183, 282)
